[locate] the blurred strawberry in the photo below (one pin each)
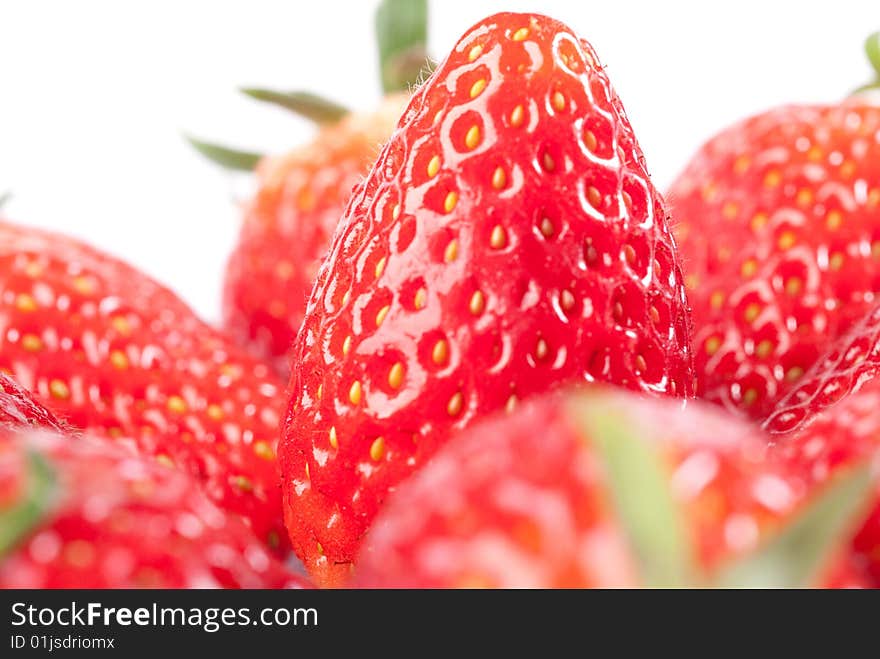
(114, 353)
(778, 222)
(603, 489)
(302, 194)
(833, 414)
(19, 410)
(79, 513)
(507, 241)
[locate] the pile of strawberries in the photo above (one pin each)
(488, 354)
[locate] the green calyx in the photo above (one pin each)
(872, 51)
(224, 156)
(402, 36)
(304, 104)
(17, 521)
(638, 478)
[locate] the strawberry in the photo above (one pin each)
(507, 241)
(302, 194)
(113, 352)
(831, 416)
(81, 513)
(778, 223)
(603, 489)
(19, 410)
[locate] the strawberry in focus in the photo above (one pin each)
(603, 489)
(81, 513)
(507, 241)
(118, 355)
(778, 224)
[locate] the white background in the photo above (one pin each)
(94, 95)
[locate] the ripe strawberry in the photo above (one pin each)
(508, 240)
(287, 229)
(603, 489)
(778, 222)
(301, 195)
(115, 353)
(832, 415)
(80, 513)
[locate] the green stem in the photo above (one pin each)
(402, 36)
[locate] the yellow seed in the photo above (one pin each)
(382, 313)
(214, 412)
(83, 284)
(450, 201)
(319, 392)
(377, 449)
(33, 270)
(477, 303)
(716, 299)
(764, 349)
(749, 397)
(787, 240)
(380, 267)
(541, 349)
(499, 178)
(558, 101)
(729, 210)
(547, 227)
(847, 169)
(118, 359)
(749, 268)
(641, 364)
(741, 164)
(420, 299)
(346, 297)
(510, 405)
(176, 404)
(59, 389)
(31, 343)
(874, 198)
(655, 315)
(334, 440)
(475, 52)
(164, 460)
(478, 87)
(520, 34)
(804, 197)
(498, 239)
(794, 373)
(566, 300)
(346, 345)
(759, 221)
(472, 138)
(629, 254)
(79, 553)
(712, 344)
(814, 154)
(395, 376)
(594, 196)
(793, 285)
(549, 163)
(354, 393)
(773, 178)
(590, 140)
(453, 407)
(836, 261)
(395, 212)
(451, 251)
(517, 116)
(834, 219)
(752, 311)
(263, 450)
(433, 166)
(25, 303)
(440, 352)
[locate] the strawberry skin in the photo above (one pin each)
(19, 410)
(113, 520)
(287, 229)
(831, 416)
(507, 241)
(525, 501)
(778, 223)
(114, 353)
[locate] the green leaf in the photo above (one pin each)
(872, 50)
(794, 557)
(17, 522)
(225, 157)
(402, 35)
(639, 480)
(305, 104)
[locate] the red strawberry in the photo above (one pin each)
(302, 194)
(778, 222)
(287, 229)
(79, 513)
(602, 489)
(507, 241)
(832, 415)
(115, 353)
(19, 410)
